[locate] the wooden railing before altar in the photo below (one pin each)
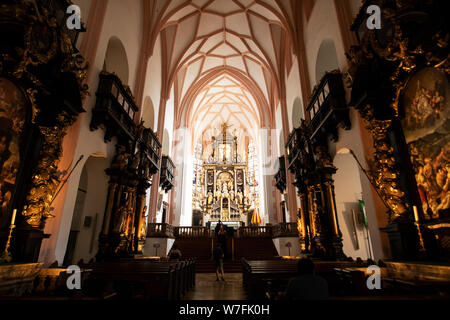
(254, 231)
(192, 232)
(163, 230)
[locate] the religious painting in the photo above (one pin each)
(12, 117)
(426, 125)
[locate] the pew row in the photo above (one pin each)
(142, 279)
(266, 279)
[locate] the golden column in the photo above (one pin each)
(312, 212)
(334, 219)
(303, 231)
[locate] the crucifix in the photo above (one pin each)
(225, 126)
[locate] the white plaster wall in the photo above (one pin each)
(169, 123)
(315, 31)
(179, 138)
(352, 139)
(279, 131)
(167, 146)
(348, 190)
(294, 91)
(185, 216)
(153, 80)
(268, 160)
(280, 245)
(94, 205)
(123, 19)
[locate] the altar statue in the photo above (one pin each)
(210, 197)
(218, 195)
(240, 196)
(225, 193)
(224, 188)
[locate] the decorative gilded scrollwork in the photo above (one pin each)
(385, 175)
(45, 180)
(44, 43)
(394, 54)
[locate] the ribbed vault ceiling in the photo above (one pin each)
(200, 37)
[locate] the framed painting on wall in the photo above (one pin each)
(426, 125)
(13, 105)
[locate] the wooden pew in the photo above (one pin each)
(257, 274)
(263, 278)
(165, 280)
(392, 283)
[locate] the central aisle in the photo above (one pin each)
(207, 288)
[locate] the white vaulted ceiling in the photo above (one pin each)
(225, 100)
(217, 39)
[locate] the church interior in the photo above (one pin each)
(270, 131)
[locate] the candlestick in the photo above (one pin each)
(421, 243)
(416, 214)
(6, 257)
(13, 219)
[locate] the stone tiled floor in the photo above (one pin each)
(207, 288)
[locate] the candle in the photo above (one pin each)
(416, 214)
(13, 217)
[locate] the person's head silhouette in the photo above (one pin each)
(305, 266)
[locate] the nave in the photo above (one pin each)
(280, 130)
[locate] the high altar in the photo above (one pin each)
(225, 191)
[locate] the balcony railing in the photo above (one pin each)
(114, 109)
(192, 232)
(285, 230)
(160, 230)
(280, 176)
(167, 173)
(327, 108)
(294, 148)
(152, 146)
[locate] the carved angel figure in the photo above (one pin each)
(121, 160)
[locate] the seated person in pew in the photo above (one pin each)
(306, 286)
(175, 253)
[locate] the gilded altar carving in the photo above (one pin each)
(324, 160)
(384, 173)
(12, 118)
(397, 56)
(44, 42)
(46, 178)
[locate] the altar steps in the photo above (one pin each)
(238, 248)
(255, 249)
